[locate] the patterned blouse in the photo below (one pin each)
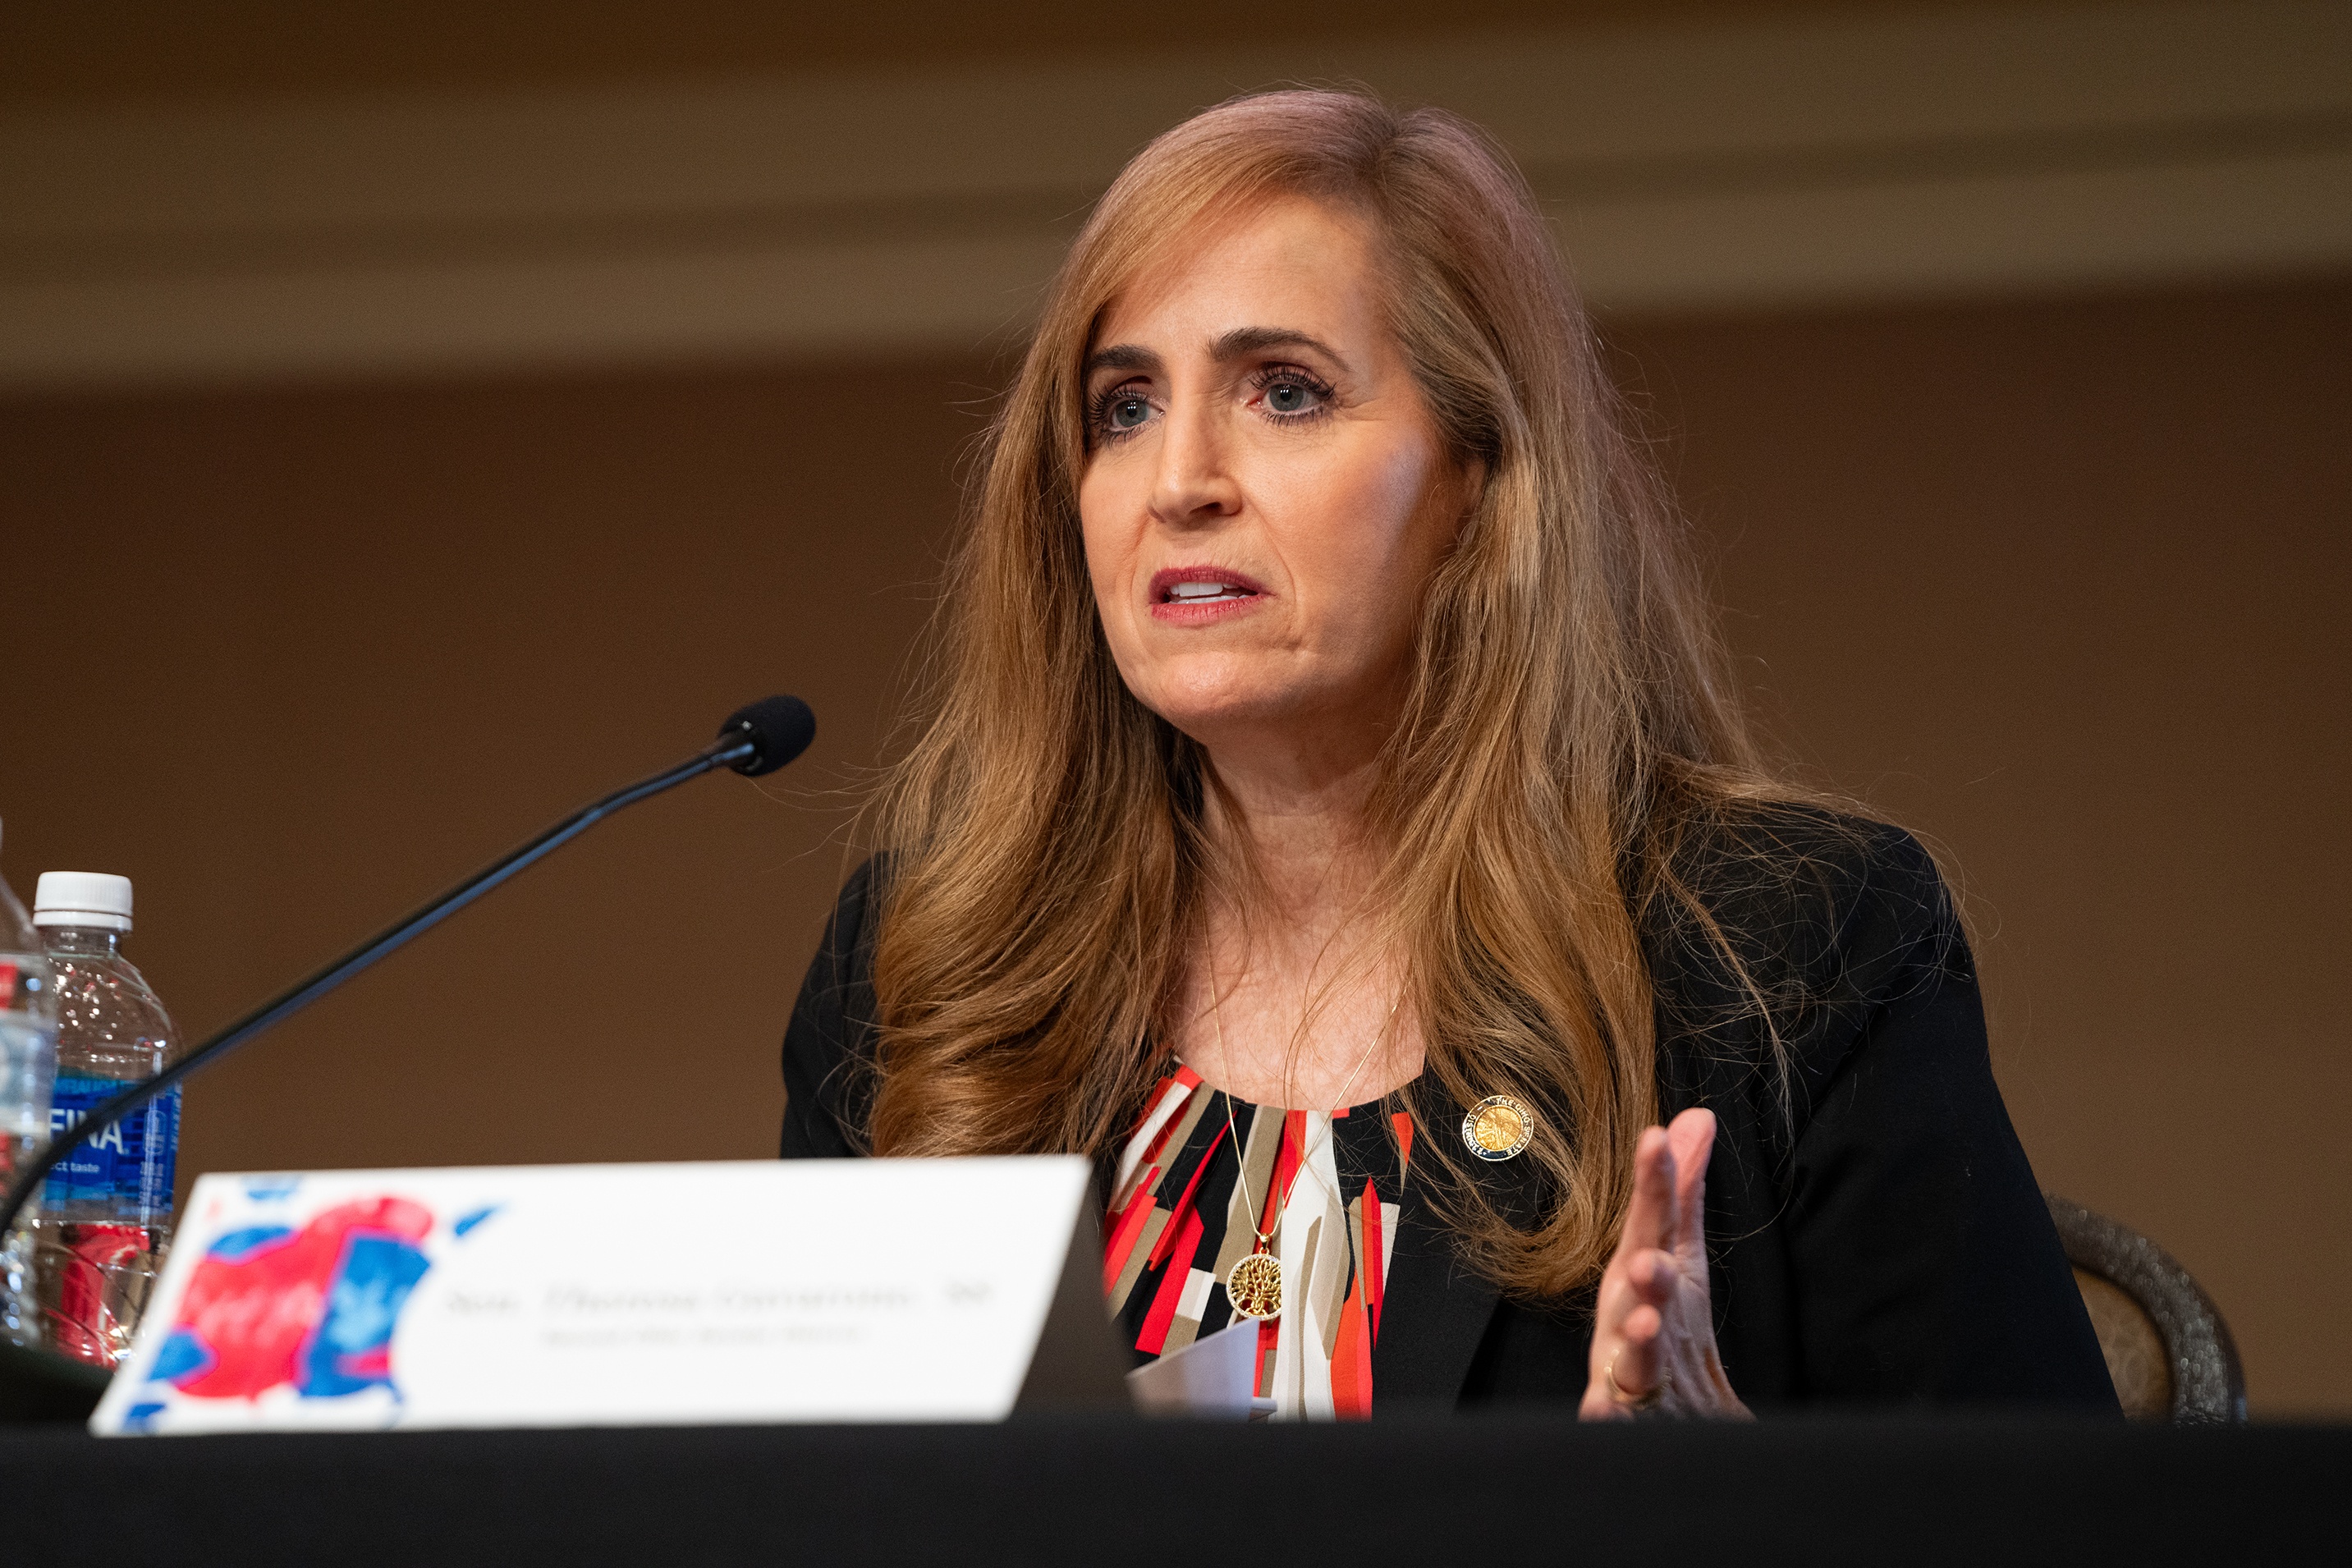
(1179, 1221)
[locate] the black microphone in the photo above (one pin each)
(780, 728)
(755, 740)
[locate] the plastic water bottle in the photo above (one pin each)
(106, 1211)
(28, 1066)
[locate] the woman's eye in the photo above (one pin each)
(1127, 413)
(1291, 396)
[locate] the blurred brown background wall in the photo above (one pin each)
(2052, 573)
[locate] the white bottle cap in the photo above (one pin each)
(82, 899)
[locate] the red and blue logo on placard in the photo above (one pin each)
(310, 1308)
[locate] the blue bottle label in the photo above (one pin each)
(128, 1167)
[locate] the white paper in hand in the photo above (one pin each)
(1215, 1376)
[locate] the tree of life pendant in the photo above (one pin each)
(1254, 1285)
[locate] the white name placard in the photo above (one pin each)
(594, 1295)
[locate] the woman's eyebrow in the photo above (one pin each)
(1245, 341)
(1120, 356)
(1238, 343)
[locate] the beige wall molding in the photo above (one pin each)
(1696, 168)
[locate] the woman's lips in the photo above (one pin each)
(1192, 595)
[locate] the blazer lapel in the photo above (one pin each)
(1434, 1312)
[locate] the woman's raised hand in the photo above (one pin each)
(1653, 1333)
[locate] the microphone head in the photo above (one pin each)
(780, 728)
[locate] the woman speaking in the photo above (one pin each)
(1331, 813)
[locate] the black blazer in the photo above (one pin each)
(1876, 1238)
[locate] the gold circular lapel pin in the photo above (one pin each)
(1498, 1128)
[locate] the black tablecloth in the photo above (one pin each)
(1496, 1490)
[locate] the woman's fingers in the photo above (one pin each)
(1652, 1332)
(1643, 1266)
(1641, 1333)
(1650, 1218)
(1634, 1366)
(1652, 1274)
(1691, 1139)
(1631, 1350)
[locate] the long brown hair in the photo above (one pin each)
(1569, 719)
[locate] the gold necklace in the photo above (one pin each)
(1253, 1284)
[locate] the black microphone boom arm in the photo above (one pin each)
(755, 740)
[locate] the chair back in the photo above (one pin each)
(2167, 1349)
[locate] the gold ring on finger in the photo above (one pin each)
(1644, 1401)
